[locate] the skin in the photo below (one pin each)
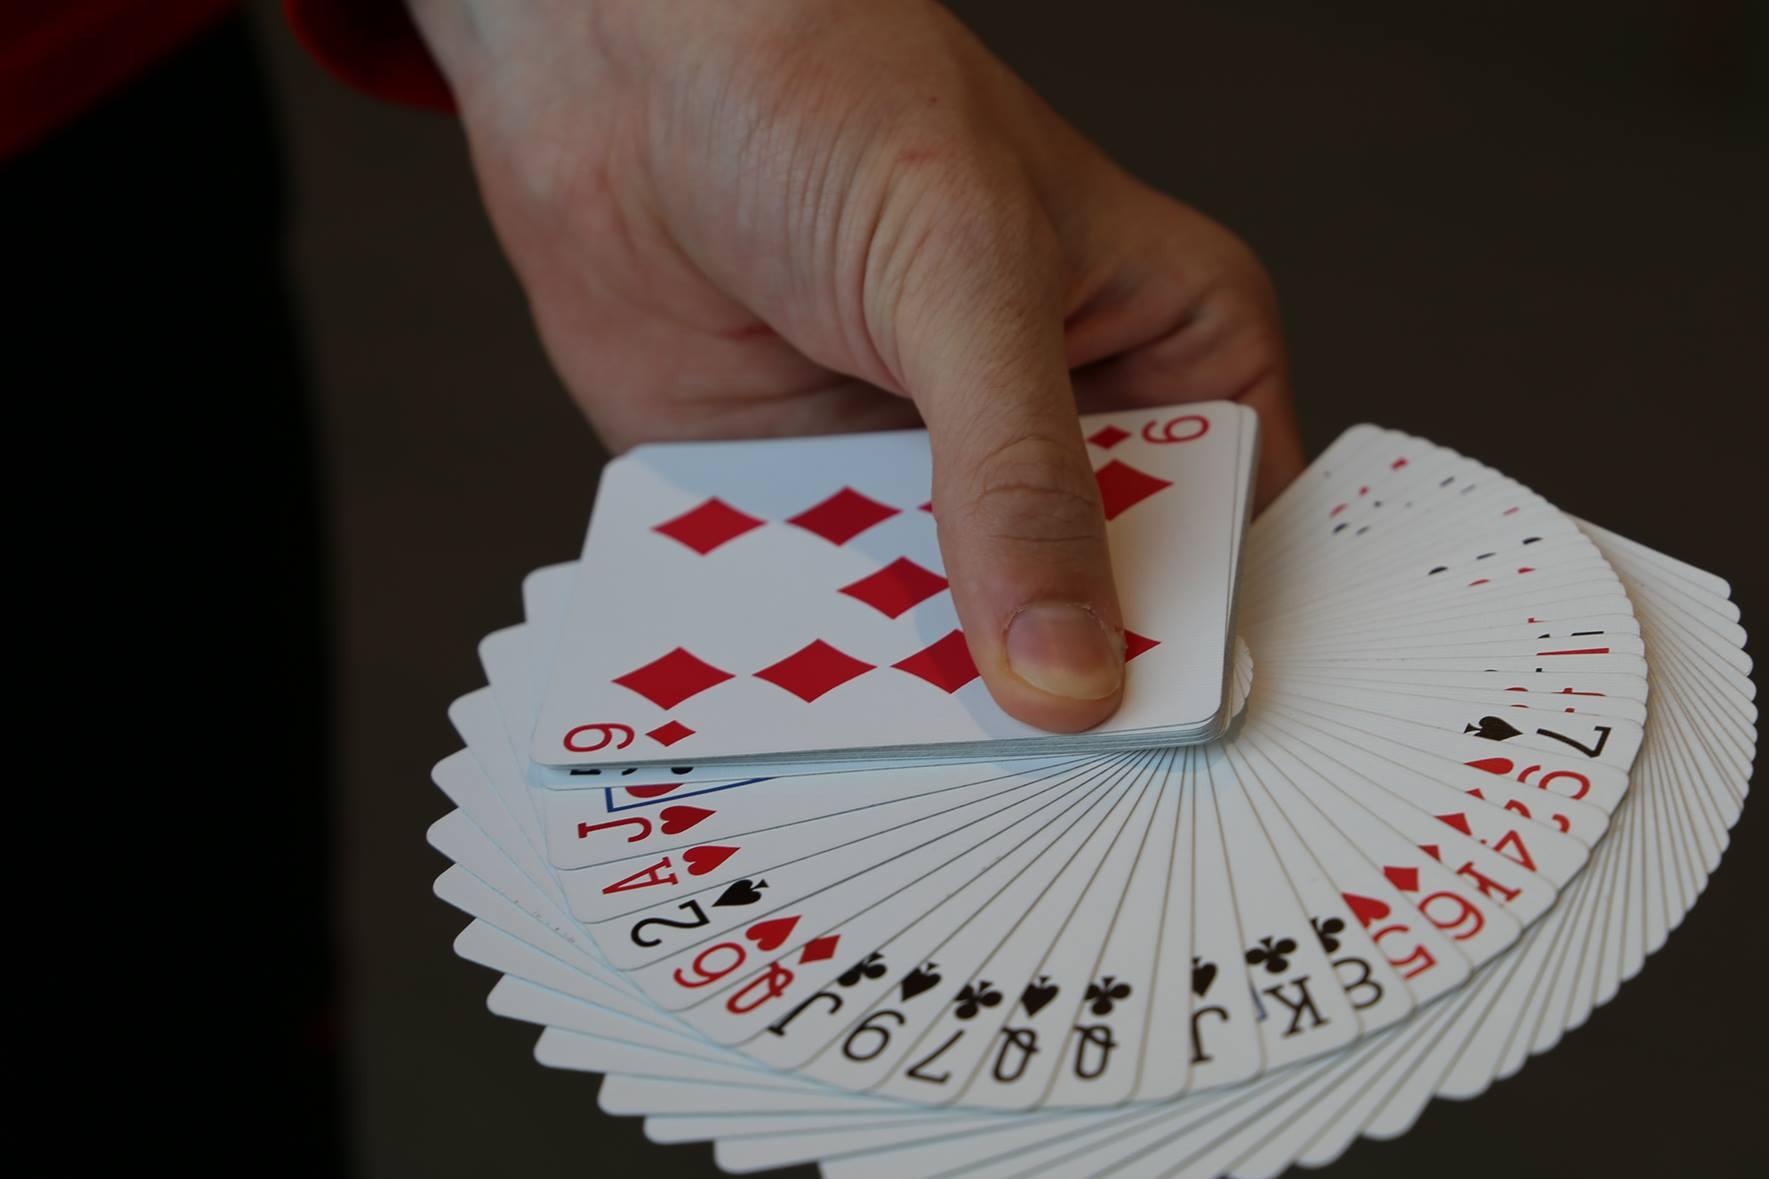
(751, 218)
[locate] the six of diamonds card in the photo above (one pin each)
(1408, 779)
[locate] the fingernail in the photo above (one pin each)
(1064, 649)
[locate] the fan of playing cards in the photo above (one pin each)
(742, 828)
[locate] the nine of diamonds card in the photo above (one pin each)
(774, 600)
(1484, 757)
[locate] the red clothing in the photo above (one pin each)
(58, 58)
(372, 45)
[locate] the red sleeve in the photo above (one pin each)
(372, 45)
(59, 58)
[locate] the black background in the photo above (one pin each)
(1535, 234)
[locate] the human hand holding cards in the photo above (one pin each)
(787, 600)
(766, 815)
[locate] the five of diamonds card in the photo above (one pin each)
(1411, 774)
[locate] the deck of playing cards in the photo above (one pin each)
(769, 602)
(741, 829)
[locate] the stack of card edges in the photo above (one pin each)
(742, 829)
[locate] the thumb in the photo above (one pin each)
(1017, 506)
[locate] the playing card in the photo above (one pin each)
(773, 599)
(1489, 761)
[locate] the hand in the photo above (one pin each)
(740, 218)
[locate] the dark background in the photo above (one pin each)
(1532, 232)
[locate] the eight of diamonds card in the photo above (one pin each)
(786, 600)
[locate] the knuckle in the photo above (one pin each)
(1029, 489)
(992, 223)
(965, 216)
(1230, 332)
(955, 243)
(1245, 280)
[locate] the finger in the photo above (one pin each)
(1203, 325)
(978, 338)
(1281, 457)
